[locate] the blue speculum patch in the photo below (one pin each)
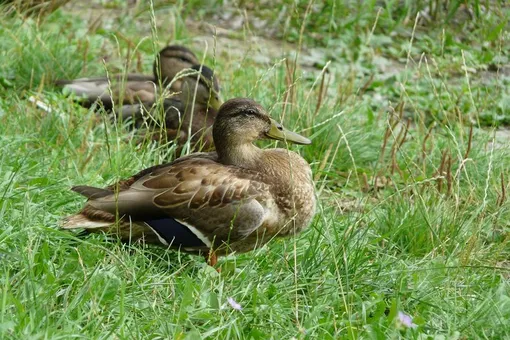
(175, 233)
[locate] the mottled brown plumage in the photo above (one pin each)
(122, 89)
(232, 200)
(189, 115)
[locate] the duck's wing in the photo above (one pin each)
(103, 79)
(125, 184)
(129, 87)
(225, 203)
(218, 203)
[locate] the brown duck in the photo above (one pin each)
(235, 199)
(188, 116)
(133, 88)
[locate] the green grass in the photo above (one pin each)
(413, 213)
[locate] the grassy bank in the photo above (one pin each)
(409, 155)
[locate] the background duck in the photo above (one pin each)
(232, 200)
(187, 116)
(132, 88)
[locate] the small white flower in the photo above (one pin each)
(234, 304)
(406, 320)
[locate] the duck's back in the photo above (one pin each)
(124, 89)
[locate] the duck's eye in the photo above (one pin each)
(279, 127)
(251, 112)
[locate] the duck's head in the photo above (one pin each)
(171, 60)
(240, 122)
(207, 87)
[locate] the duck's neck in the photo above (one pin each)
(189, 107)
(244, 155)
(188, 97)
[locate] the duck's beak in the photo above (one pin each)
(278, 132)
(215, 101)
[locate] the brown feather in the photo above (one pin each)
(91, 192)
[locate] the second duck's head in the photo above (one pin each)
(171, 60)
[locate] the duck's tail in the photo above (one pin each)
(90, 217)
(126, 231)
(81, 221)
(95, 220)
